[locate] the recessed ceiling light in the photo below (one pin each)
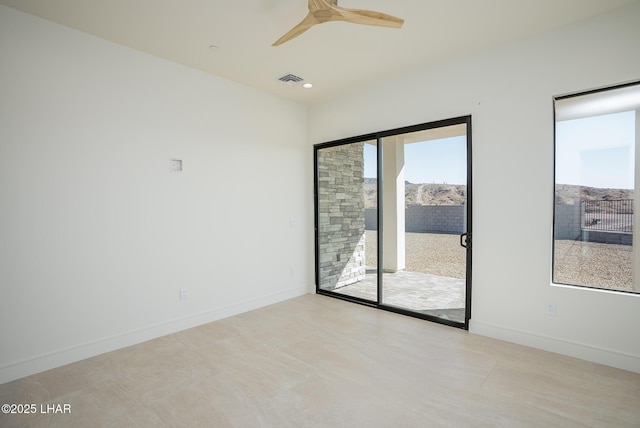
(213, 47)
(307, 85)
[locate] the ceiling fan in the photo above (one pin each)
(321, 11)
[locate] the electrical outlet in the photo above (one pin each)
(551, 309)
(184, 293)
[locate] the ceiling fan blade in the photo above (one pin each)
(308, 22)
(365, 17)
(328, 10)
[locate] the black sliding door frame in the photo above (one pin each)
(378, 137)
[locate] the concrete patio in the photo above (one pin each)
(434, 295)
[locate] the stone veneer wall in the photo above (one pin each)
(341, 215)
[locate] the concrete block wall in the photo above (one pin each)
(567, 222)
(606, 237)
(341, 215)
(427, 218)
(436, 218)
(371, 219)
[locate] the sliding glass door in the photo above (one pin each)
(425, 214)
(393, 220)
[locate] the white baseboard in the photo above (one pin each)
(29, 366)
(582, 351)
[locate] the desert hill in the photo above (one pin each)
(421, 193)
(568, 193)
(455, 194)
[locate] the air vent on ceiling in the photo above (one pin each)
(291, 79)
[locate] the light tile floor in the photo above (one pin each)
(439, 296)
(316, 361)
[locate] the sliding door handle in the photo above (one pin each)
(465, 240)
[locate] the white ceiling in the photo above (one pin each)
(334, 56)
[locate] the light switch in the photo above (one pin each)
(175, 165)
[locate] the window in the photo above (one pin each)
(596, 135)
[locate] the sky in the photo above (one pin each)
(434, 161)
(597, 151)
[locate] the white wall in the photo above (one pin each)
(508, 91)
(97, 236)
